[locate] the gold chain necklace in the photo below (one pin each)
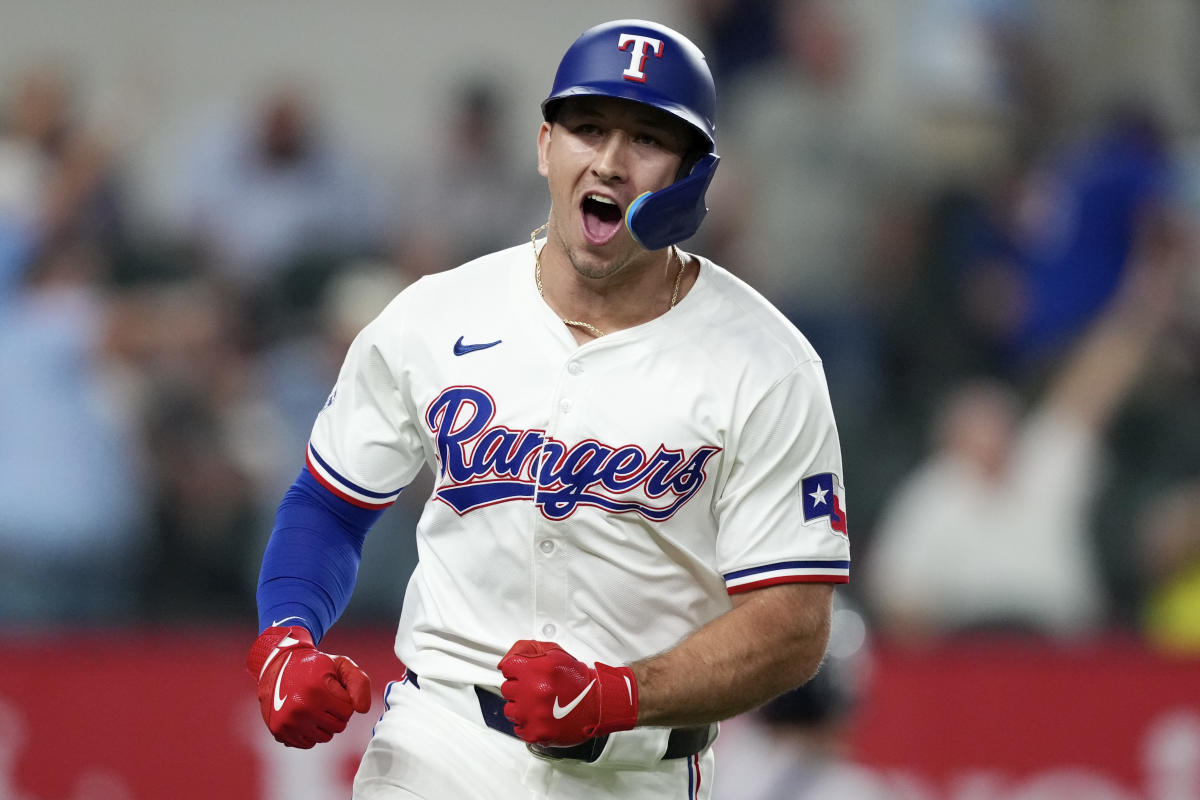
(587, 326)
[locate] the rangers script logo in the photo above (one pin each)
(481, 465)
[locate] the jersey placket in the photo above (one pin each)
(551, 546)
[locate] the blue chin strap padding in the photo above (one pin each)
(670, 215)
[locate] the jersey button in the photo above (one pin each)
(574, 368)
(548, 630)
(564, 405)
(546, 546)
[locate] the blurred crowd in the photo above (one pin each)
(1000, 275)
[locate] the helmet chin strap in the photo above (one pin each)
(668, 216)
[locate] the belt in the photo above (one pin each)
(681, 742)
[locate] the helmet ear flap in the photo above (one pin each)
(670, 215)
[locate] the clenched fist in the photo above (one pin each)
(556, 700)
(306, 696)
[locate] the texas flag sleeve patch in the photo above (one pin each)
(820, 496)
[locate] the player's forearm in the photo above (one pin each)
(1112, 353)
(1102, 371)
(771, 641)
(311, 560)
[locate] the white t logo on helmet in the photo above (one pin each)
(642, 47)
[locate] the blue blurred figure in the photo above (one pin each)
(71, 501)
(1075, 219)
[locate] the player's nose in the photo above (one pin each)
(612, 157)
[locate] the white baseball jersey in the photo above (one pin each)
(607, 496)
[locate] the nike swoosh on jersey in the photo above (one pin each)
(278, 701)
(461, 349)
(561, 711)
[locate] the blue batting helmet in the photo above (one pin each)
(649, 63)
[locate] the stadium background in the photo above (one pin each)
(173, 303)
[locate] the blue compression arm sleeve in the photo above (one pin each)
(311, 562)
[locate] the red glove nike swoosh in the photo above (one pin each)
(555, 699)
(306, 695)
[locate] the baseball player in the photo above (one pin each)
(638, 514)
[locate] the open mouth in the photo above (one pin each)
(601, 218)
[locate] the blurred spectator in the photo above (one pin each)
(202, 435)
(1165, 554)
(58, 180)
(299, 371)
(1169, 549)
(735, 36)
(794, 747)
(993, 530)
(473, 194)
(272, 203)
(1023, 225)
(73, 498)
(974, 72)
(974, 79)
(1186, 167)
(816, 178)
(1074, 219)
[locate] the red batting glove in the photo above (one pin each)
(307, 696)
(556, 700)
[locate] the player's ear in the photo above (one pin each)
(543, 148)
